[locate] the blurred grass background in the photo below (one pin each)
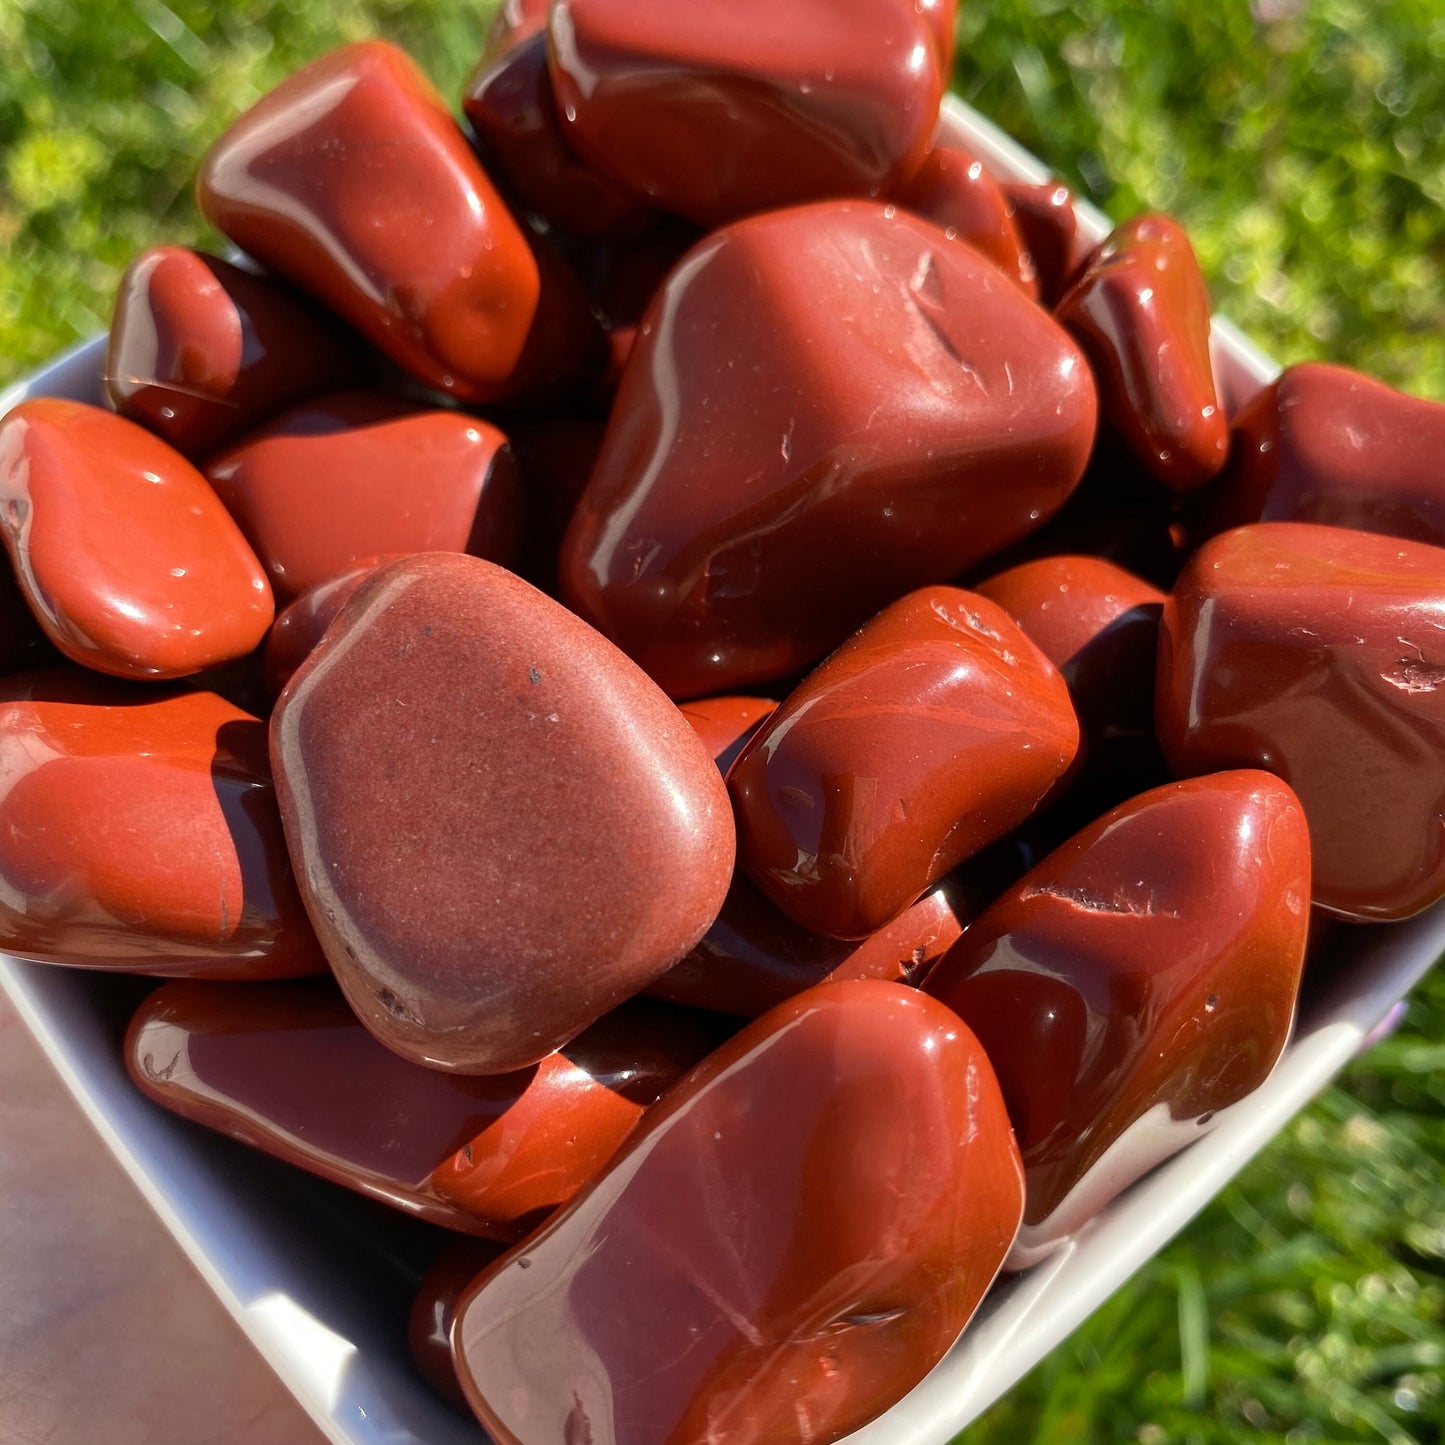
(1301, 141)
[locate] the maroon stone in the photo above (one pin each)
(556, 452)
(429, 1327)
(503, 827)
(303, 624)
(724, 724)
(514, 21)
(1049, 228)
(786, 1246)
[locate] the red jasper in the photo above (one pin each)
(1141, 312)
(1049, 228)
(716, 112)
(935, 730)
(126, 557)
(724, 724)
(353, 181)
(201, 351)
(513, 22)
(358, 475)
(1330, 445)
(1137, 981)
(138, 831)
(786, 1245)
(1317, 653)
(288, 1069)
(952, 189)
(429, 1326)
(755, 501)
(303, 624)
(504, 829)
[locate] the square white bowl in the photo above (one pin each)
(321, 1281)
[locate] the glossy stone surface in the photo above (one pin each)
(513, 22)
(351, 179)
(754, 502)
(429, 1326)
(138, 831)
(124, 554)
(201, 351)
(1317, 653)
(717, 112)
(504, 828)
(303, 623)
(788, 1243)
(1331, 445)
(1049, 228)
(510, 104)
(952, 189)
(288, 1069)
(935, 730)
(724, 724)
(360, 474)
(1139, 979)
(1141, 312)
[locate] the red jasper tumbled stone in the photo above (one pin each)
(126, 557)
(1318, 653)
(789, 1242)
(352, 180)
(502, 827)
(715, 112)
(303, 623)
(932, 732)
(1141, 312)
(724, 724)
(826, 407)
(139, 832)
(354, 476)
(1049, 228)
(201, 351)
(1330, 445)
(1138, 980)
(288, 1069)
(429, 1326)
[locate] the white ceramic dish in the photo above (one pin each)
(321, 1280)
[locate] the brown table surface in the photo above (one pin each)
(108, 1336)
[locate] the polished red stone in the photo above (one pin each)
(1049, 227)
(1141, 312)
(724, 724)
(352, 180)
(941, 16)
(718, 111)
(138, 831)
(429, 1326)
(504, 828)
(786, 1246)
(1138, 980)
(952, 189)
(513, 22)
(933, 731)
(303, 623)
(358, 475)
(124, 554)
(288, 1069)
(510, 104)
(1318, 653)
(201, 351)
(1330, 445)
(755, 500)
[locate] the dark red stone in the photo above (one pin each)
(755, 500)
(1049, 228)
(429, 1327)
(124, 554)
(786, 1246)
(1318, 654)
(504, 829)
(514, 21)
(715, 112)
(201, 351)
(724, 724)
(288, 1069)
(138, 831)
(1138, 980)
(935, 730)
(556, 452)
(358, 475)
(303, 624)
(1330, 445)
(1141, 312)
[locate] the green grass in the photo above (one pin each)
(1306, 156)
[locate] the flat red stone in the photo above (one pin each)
(503, 828)
(718, 111)
(126, 557)
(755, 500)
(358, 475)
(935, 730)
(1049, 228)
(288, 1069)
(201, 351)
(786, 1246)
(138, 831)
(1318, 654)
(1141, 312)
(1138, 980)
